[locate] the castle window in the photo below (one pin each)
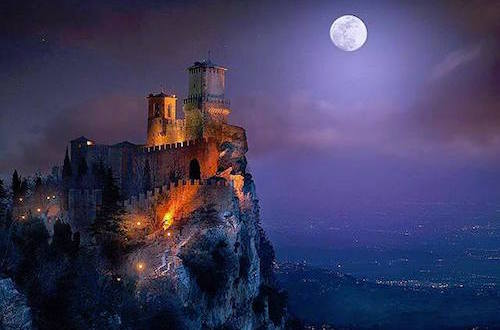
(169, 109)
(157, 110)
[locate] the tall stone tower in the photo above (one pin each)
(161, 116)
(205, 107)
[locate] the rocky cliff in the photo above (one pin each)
(213, 265)
(189, 255)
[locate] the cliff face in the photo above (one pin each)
(190, 255)
(213, 265)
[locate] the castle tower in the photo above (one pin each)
(205, 106)
(162, 114)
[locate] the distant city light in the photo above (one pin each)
(20, 199)
(48, 197)
(53, 196)
(23, 217)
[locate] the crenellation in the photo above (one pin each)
(171, 191)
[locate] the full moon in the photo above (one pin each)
(348, 33)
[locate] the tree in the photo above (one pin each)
(16, 187)
(107, 227)
(16, 183)
(63, 240)
(3, 201)
(37, 193)
(66, 173)
(38, 184)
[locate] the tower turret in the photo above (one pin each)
(161, 114)
(205, 105)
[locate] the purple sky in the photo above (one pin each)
(413, 115)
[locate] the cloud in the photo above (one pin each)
(461, 115)
(454, 60)
(110, 119)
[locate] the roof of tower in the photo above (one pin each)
(80, 139)
(161, 95)
(206, 64)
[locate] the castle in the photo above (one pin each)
(175, 149)
(178, 215)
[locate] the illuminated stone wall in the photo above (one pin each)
(163, 125)
(175, 201)
(171, 162)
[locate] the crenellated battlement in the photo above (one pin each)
(144, 200)
(179, 123)
(178, 145)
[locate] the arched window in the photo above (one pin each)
(194, 170)
(157, 110)
(169, 109)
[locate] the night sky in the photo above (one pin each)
(414, 115)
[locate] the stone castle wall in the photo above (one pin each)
(163, 131)
(171, 162)
(167, 162)
(182, 198)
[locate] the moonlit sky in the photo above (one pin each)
(414, 115)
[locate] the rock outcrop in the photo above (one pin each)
(213, 266)
(14, 310)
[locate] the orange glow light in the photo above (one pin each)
(138, 223)
(39, 210)
(167, 220)
(169, 234)
(140, 266)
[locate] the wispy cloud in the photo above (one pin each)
(454, 60)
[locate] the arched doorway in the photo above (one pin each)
(194, 170)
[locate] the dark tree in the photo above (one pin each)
(38, 184)
(38, 190)
(16, 184)
(66, 173)
(3, 199)
(18, 187)
(107, 227)
(24, 187)
(63, 240)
